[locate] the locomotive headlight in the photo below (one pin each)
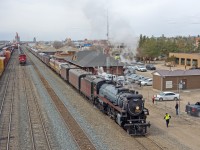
(137, 108)
(145, 112)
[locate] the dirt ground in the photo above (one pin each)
(183, 128)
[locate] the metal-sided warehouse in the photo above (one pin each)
(175, 80)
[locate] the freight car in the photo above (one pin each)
(2, 64)
(64, 71)
(124, 106)
(75, 76)
(58, 66)
(21, 56)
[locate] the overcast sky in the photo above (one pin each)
(80, 19)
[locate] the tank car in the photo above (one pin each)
(125, 106)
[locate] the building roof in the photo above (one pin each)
(167, 73)
(91, 58)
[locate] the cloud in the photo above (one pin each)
(78, 19)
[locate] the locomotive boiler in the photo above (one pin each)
(126, 107)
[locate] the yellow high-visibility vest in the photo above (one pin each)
(167, 117)
(117, 57)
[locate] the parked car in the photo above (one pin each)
(131, 77)
(147, 82)
(150, 67)
(193, 109)
(142, 79)
(108, 76)
(137, 78)
(141, 68)
(140, 63)
(130, 69)
(167, 96)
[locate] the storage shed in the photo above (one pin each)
(165, 80)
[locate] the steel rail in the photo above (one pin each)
(152, 141)
(11, 65)
(5, 91)
(10, 116)
(40, 116)
(29, 116)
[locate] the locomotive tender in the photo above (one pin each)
(124, 106)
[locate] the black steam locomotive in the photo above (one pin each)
(126, 107)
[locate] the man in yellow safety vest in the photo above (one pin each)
(167, 118)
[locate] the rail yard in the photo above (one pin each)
(40, 110)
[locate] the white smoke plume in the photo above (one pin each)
(120, 30)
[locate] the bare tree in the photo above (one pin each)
(57, 44)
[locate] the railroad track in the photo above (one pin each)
(77, 133)
(37, 130)
(148, 143)
(6, 108)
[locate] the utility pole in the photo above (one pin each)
(107, 27)
(108, 49)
